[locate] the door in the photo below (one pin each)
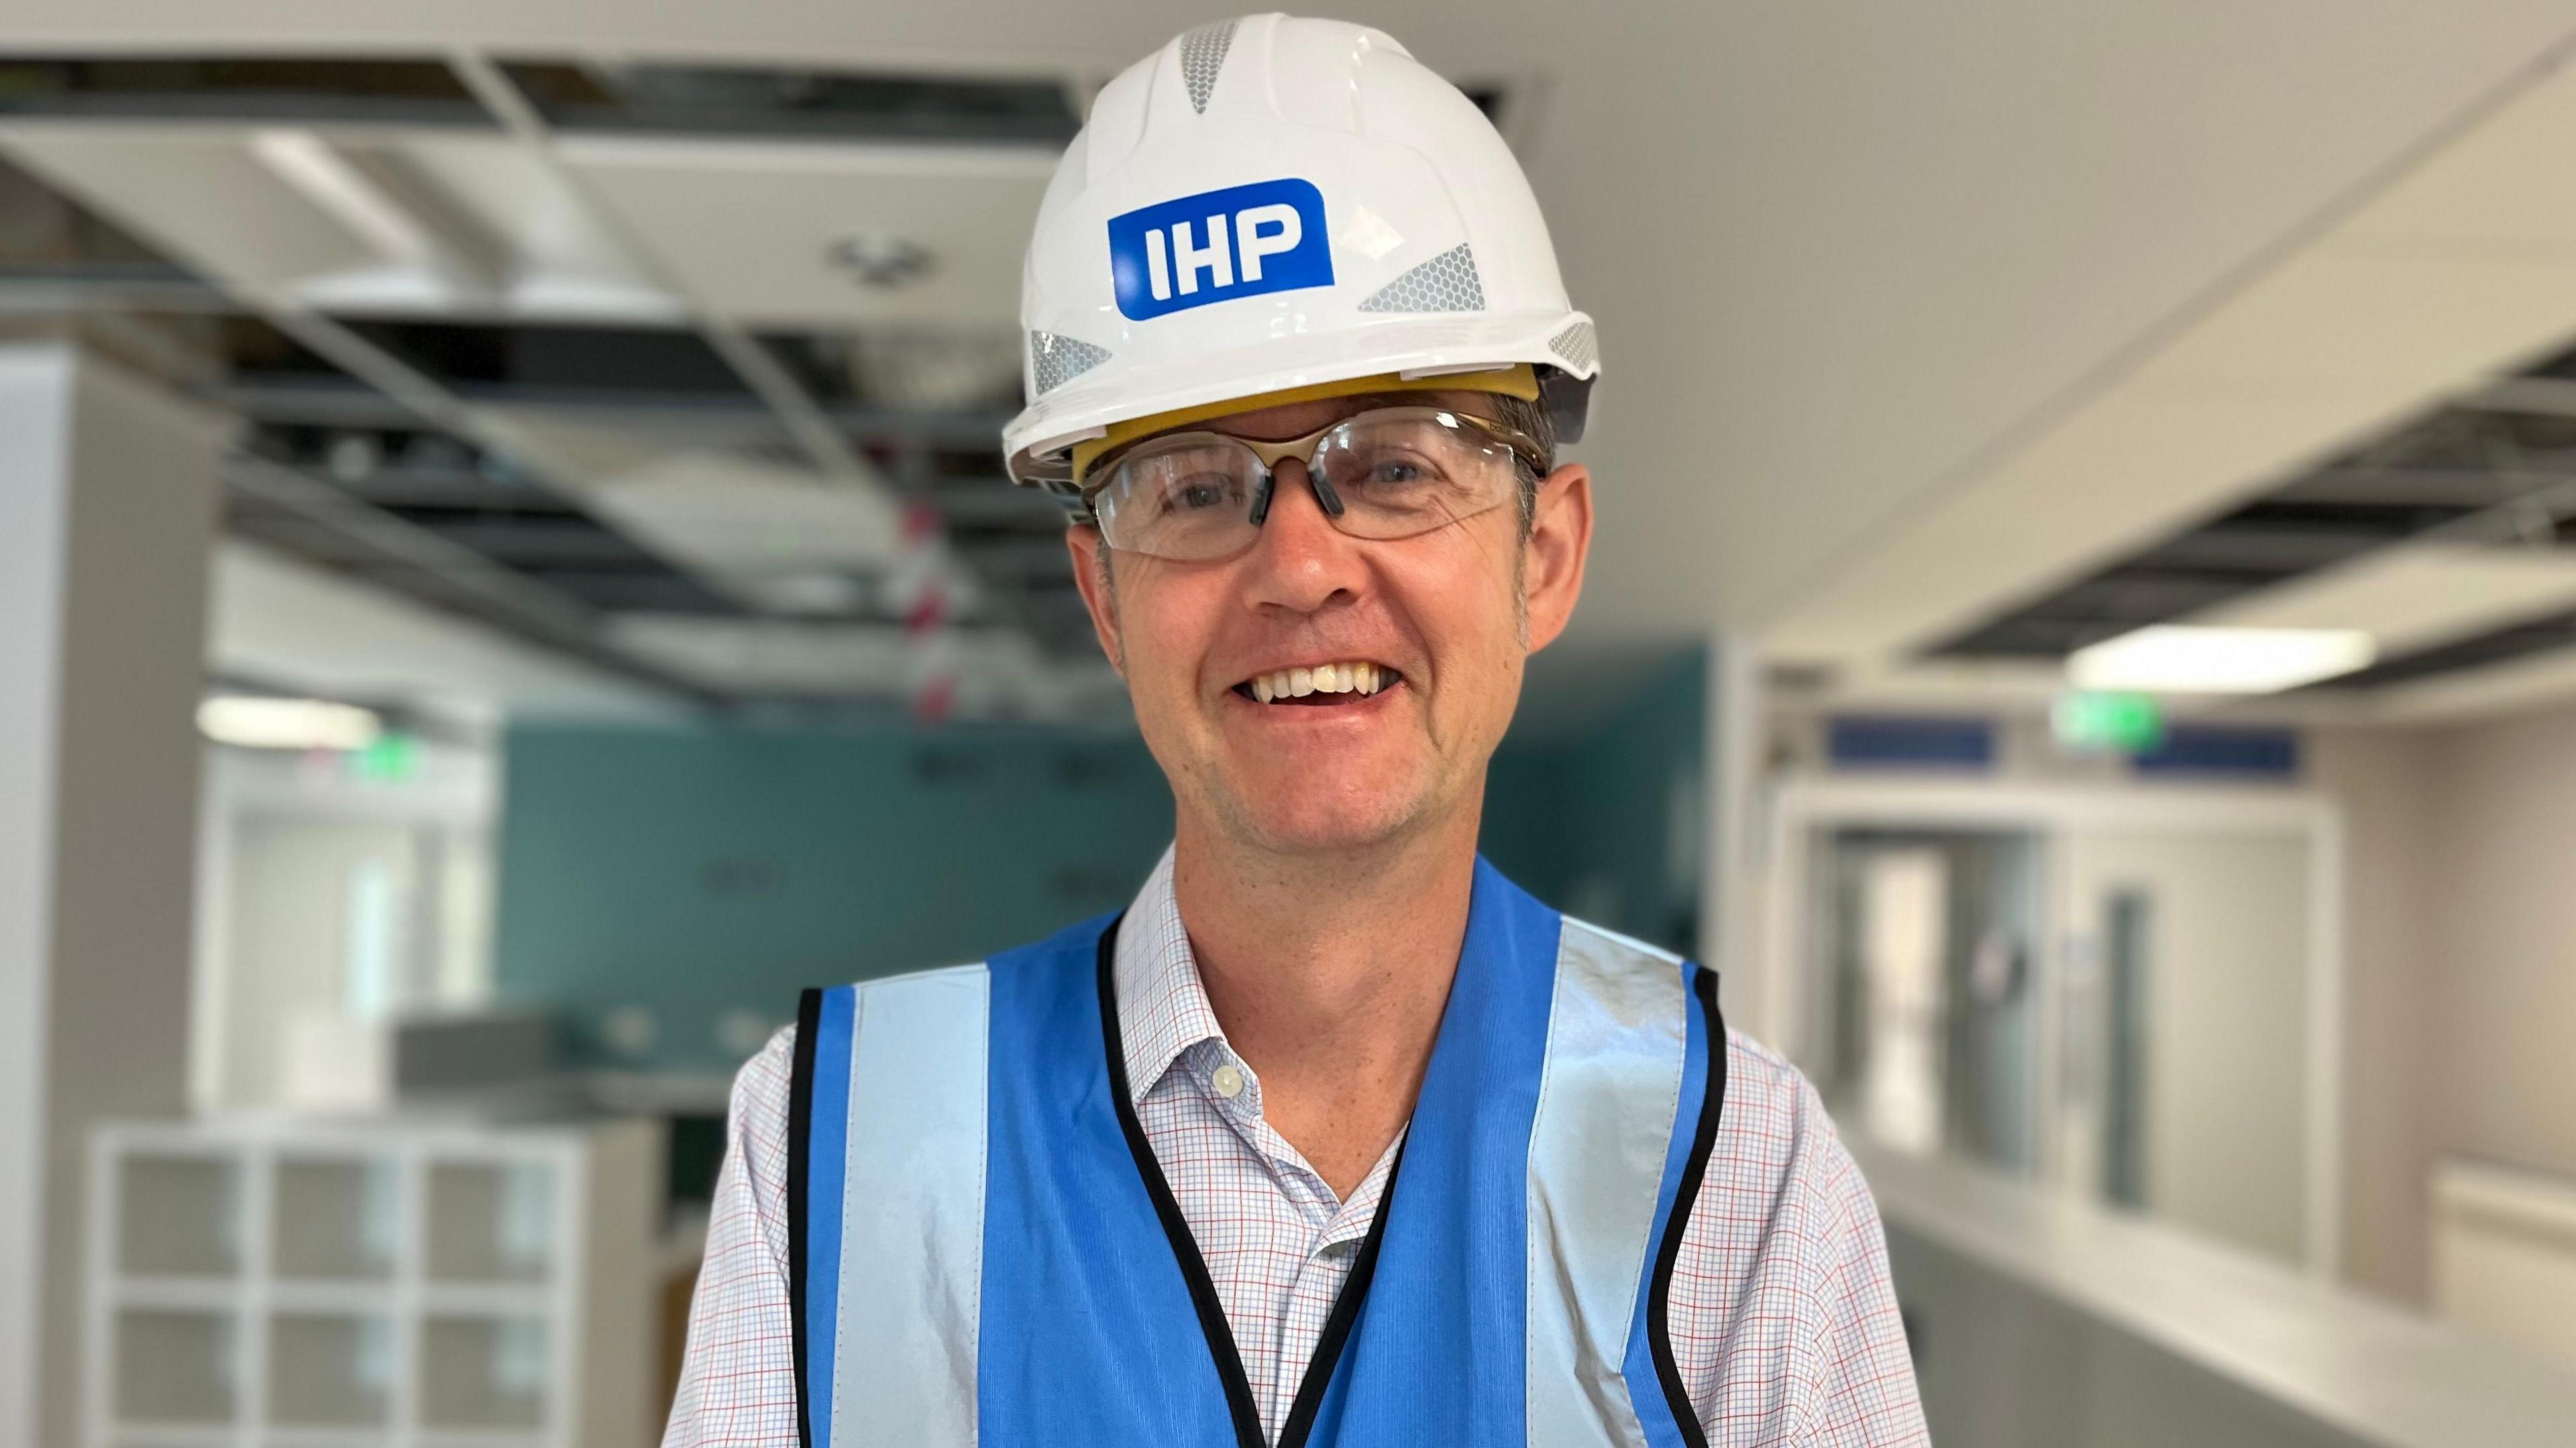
(2186, 1042)
(325, 927)
(1925, 943)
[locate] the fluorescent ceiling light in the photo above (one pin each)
(2173, 659)
(251, 721)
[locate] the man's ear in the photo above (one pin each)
(1559, 541)
(1091, 575)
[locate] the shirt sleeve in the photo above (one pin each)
(1783, 1319)
(1865, 1394)
(738, 1379)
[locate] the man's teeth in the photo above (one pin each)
(1352, 678)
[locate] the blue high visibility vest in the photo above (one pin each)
(984, 1249)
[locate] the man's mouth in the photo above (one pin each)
(1321, 684)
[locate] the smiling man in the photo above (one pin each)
(1334, 1136)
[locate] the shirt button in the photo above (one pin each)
(1228, 1080)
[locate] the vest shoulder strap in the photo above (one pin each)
(889, 1086)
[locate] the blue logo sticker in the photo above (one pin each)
(1220, 245)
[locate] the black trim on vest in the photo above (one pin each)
(1211, 1309)
(1659, 1324)
(1344, 1317)
(800, 1135)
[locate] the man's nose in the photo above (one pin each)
(1300, 561)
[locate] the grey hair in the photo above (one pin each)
(1533, 420)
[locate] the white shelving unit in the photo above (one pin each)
(279, 1283)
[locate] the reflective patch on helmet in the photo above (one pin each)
(1446, 283)
(1202, 56)
(1055, 361)
(1216, 246)
(1576, 345)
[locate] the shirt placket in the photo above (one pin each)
(1337, 1227)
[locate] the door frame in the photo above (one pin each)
(1786, 932)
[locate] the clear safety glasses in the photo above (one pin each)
(1387, 473)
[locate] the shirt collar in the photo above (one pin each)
(1163, 1006)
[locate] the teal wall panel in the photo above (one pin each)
(1608, 822)
(688, 873)
(693, 872)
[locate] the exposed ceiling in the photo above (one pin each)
(2451, 541)
(1875, 282)
(275, 622)
(704, 407)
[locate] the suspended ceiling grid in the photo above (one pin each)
(655, 365)
(2451, 539)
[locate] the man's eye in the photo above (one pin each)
(1194, 494)
(1391, 473)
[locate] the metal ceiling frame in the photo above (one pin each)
(392, 393)
(2520, 497)
(474, 581)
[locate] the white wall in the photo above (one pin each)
(103, 482)
(280, 837)
(292, 901)
(32, 510)
(2501, 972)
(2463, 936)
(2383, 782)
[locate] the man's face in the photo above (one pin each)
(1448, 616)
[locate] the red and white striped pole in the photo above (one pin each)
(922, 588)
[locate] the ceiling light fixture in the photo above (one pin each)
(2178, 659)
(881, 259)
(253, 721)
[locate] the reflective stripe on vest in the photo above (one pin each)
(898, 1344)
(981, 1243)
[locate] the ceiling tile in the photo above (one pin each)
(200, 196)
(726, 514)
(750, 230)
(2416, 594)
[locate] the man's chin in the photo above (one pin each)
(1284, 824)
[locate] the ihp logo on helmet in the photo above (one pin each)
(1220, 245)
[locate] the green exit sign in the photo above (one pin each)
(2106, 722)
(391, 759)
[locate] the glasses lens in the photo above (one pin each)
(1181, 497)
(1410, 470)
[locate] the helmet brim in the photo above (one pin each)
(1039, 442)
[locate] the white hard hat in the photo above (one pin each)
(1269, 204)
